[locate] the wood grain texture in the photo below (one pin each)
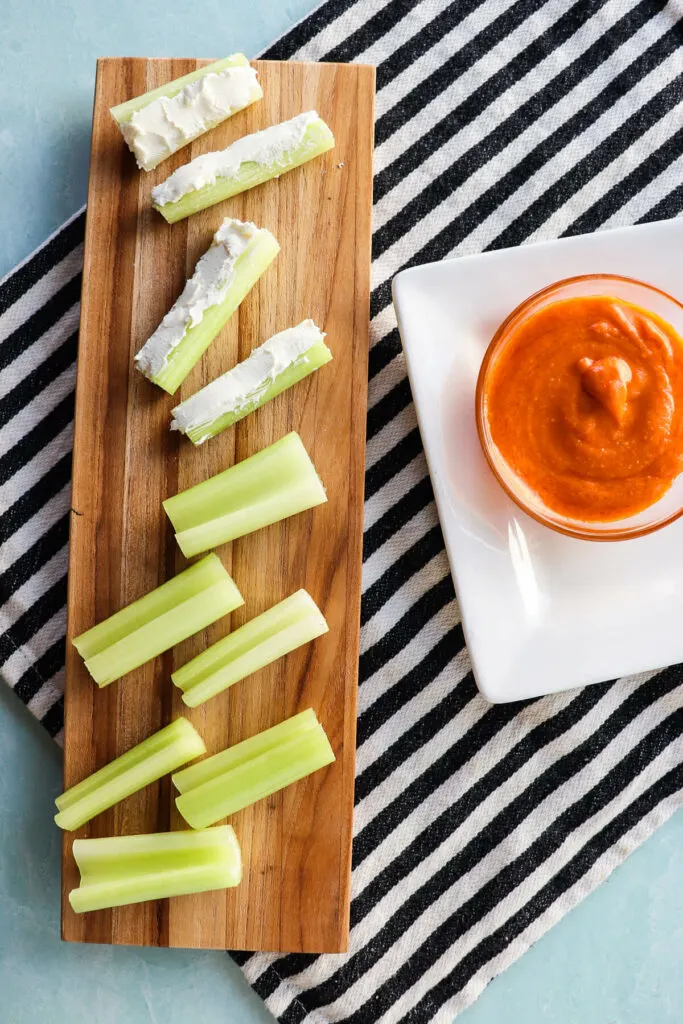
(296, 845)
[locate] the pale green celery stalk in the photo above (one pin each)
(167, 749)
(156, 622)
(123, 112)
(256, 779)
(295, 621)
(317, 139)
(240, 753)
(277, 482)
(249, 267)
(131, 869)
(311, 360)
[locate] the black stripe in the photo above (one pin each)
(492, 834)
(508, 130)
(33, 329)
(34, 558)
(485, 204)
(590, 165)
(383, 351)
(37, 438)
(35, 676)
(620, 193)
(408, 506)
(288, 44)
(295, 1013)
(608, 836)
(35, 498)
(405, 55)
(409, 625)
(53, 720)
(33, 619)
(240, 956)
(668, 207)
(266, 983)
(420, 733)
(398, 573)
(12, 402)
(56, 249)
(388, 406)
(397, 695)
(392, 462)
(378, 25)
(431, 87)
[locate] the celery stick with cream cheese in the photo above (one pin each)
(162, 121)
(233, 263)
(249, 161)
(281, 361)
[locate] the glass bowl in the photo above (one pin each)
(664, 511)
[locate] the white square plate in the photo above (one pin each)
(541, 612)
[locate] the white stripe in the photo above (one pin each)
(468, 885)
(402, 601)
(32, 530)
(36, 354)
(382, 324)
(390, 435)
(513, 846)
(413, 711)
(581, 146)
(393, 490)
(53, 630)
(389, 377)
(34, 588)
(339, 30)
(394, 669)
(47, 695)
(497, 112)
(36, 468)
(32, 414)
(383, 559)
(469, 82)
(40, 293)
(642, 202)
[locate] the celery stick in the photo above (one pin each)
(170, 747)
(295, 621)
(228, 270)
(178, 608)
(256, 779)
(163, 120)
(240, 753)
(283, 360)
(249, 161)
(130, 869)
(271, 485)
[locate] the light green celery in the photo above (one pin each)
(295, 621)
(249, 267)
(317, 139)
(240, 753)
(123, 112)
(256, 779)
(156, 622)
(271, 485)
(311, 360)
(167, 749)
(131, 869)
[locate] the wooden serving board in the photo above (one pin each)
(296, 845)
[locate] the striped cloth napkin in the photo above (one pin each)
(476, 827)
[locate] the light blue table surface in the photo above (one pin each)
(616, 959)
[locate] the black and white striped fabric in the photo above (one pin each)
(476, 827)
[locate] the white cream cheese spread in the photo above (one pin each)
(167, 123)
(248, 380)
(269, 148)
(207, 287)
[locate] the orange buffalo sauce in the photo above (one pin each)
(585, 404)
